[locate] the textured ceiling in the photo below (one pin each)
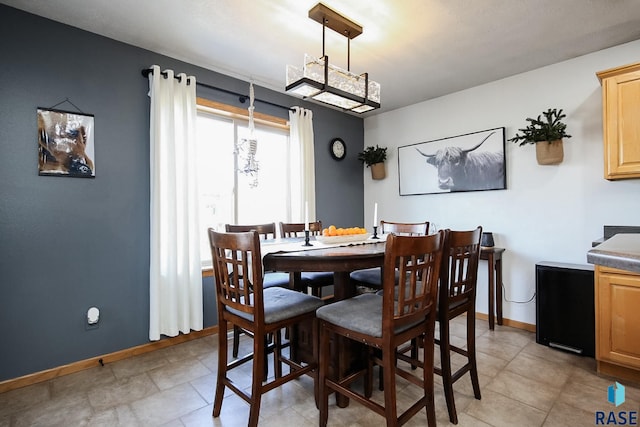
(416, 49)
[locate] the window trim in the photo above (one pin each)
(242, 113)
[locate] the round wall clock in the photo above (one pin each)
(338, 149)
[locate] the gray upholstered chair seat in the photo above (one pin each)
(361, 314)
(370, 277)
(281, 303)
(273, 278)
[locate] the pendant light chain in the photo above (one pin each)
(252, 127)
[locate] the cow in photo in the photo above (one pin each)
(463, 169)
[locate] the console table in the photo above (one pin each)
(493, 256)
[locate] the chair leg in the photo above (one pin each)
(368, 378)
(388, 364)
(277, 359)
(265, 362)
(414, 352)
(236, 340)
(428, 346)
(471, 350)
(259, 343)
(445, 361)
(222, 368)
(316, 357)
(324, 370)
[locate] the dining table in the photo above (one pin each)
(289, 255)
(340, 258)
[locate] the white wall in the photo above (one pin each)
(547, 213)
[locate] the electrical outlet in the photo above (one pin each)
(92, 319)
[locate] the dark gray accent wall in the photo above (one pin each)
(69, 243)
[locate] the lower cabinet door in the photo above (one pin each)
(618, 318)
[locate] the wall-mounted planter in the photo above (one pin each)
(374, 158)
(549, 153)
(547, 134)
(378, 171)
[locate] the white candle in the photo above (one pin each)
(306, 215)
(375, 215)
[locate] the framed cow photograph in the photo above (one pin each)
(65, 144)
(470, 162)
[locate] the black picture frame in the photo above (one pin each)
(65, 143)
(471, 162)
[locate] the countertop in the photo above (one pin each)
(620, 251)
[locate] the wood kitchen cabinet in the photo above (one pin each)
(621, 121)
(617, 304)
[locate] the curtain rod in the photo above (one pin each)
(242, 98)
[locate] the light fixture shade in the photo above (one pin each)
(332, 85)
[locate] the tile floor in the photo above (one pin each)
(522, 384)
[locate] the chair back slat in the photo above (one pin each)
(405, 228)
(296, 229)
(238, 271)
(418, 260)
(266, 231)
(459, 273)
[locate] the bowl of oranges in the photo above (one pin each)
(333, 234)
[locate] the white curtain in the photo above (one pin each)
(303, 175)
(174, 271)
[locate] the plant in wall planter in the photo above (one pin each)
(374, 157)
(546, 133)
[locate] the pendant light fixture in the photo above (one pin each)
(321, 81)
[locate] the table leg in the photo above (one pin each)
(342, 289)
(295, 281)
(491, 286)
(499, 289)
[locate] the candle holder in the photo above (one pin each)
(375, 232)
(306, 238)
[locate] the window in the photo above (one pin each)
(226, 194)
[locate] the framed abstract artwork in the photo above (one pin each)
(65, 144)
(469, 162)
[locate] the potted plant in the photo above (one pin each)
(374, 157)
(546, 133)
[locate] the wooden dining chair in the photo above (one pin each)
(385, 322)
(296, 229)
(270, 279)
(372, 277)
(237, 261)
(456, 296)
(317, 280)
(458, 282)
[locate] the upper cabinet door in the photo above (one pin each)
(621, 121)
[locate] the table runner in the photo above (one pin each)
(289, 245)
